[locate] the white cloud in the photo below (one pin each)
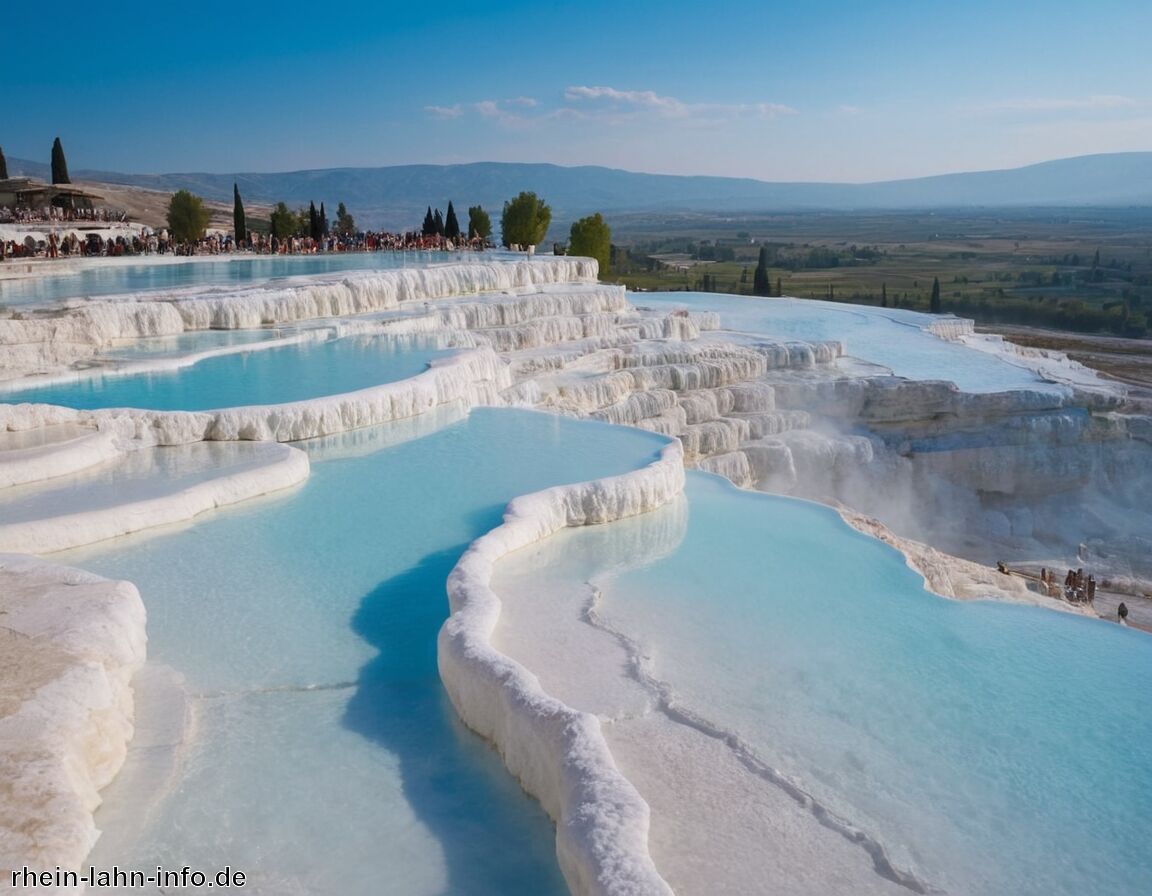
(646, 99)
(495, 110)
(636, 101)
(607, 104)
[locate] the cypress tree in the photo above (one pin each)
(779, 291)
(451, 225)
(239, 224)
(313, 221)
(429, 227)
(59, 166)
(438, 223)
(934, 302)
(323, 221)
(3, 166)
(761, 285)
(883, 295)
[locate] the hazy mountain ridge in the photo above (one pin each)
(396, 196)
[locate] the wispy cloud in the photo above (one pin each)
(507, 112)
(588, 103)
(615, 100)
(644, 99)
(1059, 104)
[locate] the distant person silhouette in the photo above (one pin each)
(1122, 612)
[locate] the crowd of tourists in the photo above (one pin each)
(1076, 588)
(370, 241)
(147, 241)
(71, 245)
(52, 214)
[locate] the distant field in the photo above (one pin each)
(1077, 269)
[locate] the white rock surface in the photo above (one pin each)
(559, 755)
(43, 341)
(161, 486)
(71, 643)
(1042, 470)
(87, 447)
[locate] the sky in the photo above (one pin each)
(785, 91)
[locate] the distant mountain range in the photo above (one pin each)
(396, 197)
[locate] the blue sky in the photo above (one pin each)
(840, 91)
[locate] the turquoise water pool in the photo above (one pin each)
(326, 757)
(988, 748)
(192, 341)
(111, 277)
(266, 376)
(890, 337)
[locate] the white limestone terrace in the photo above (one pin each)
(558, 754)
(71, 644)
(58, 449)
(142, 489)
(36, 341)
(109, 363)
(781, 414)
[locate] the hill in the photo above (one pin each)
(396, 196)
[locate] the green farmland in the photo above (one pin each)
(1087, 270)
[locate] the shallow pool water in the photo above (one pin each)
(270, 375)
(893, 338)
(192, 341)
(988, 748)
(106, 277)
(326, 757)
(135, 476)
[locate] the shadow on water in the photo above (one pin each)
(496, 839)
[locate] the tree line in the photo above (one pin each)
(524, 222)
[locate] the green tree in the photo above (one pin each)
(313, 222)
(451, 224)
(239, 223)
(345, 224)
(525, 221)
(761, 285)
(934, 302)
(591, 237)
(779, 288)
(438, 223)
(59, 165)
(429, 226)
(187, 217)
(479, 223)
(883, 295)
(283, 221)
(3, 166)
(323, 221)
